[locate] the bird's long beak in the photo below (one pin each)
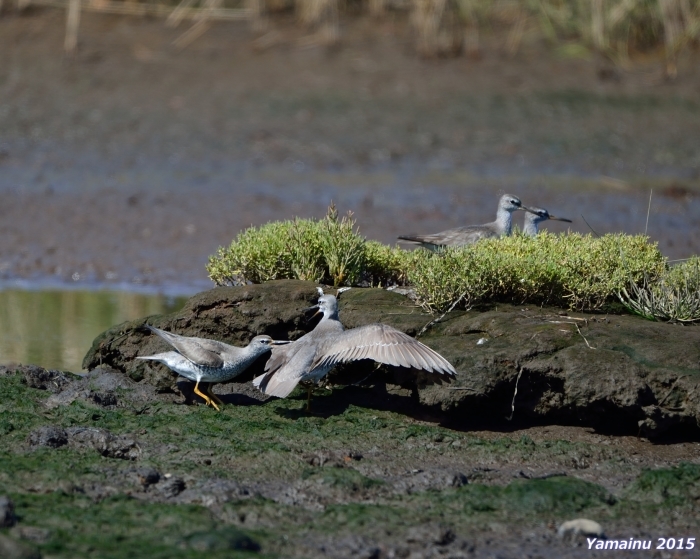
(526, 209)
(307, 309)
(280, 342)
(555, 218)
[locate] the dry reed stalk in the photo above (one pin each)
(617, 14)
(72, 24)
(516, 33)
(438, 29)
(598, 25)
(178, 14)
(323, 16)
(672, 16)
(200, 26)
(377, 8)
(258, 19)
(197, 30)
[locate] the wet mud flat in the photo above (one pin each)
(139, 160)
(122, 462)
(123, 478)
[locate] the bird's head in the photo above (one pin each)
(512, 203)
(539, 215)
(327, 305)
(261, 344)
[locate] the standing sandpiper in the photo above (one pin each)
(202, 360)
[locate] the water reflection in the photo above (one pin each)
(54, 329)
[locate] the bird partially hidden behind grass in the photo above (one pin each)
(470, 234)
(209, 361)
(536, 216)
(312, 356)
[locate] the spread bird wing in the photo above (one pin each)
(383, 344)
(290, 364)
(281, 355)
(206, 353)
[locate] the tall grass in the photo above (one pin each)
(673, 297)
(614, 28)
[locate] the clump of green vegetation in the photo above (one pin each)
(572, 271)
(675, 296)
(668, 486)
(329, 250)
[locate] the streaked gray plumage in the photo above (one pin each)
(203, 360)
(313, 355)
(470, 234)
(536, 216)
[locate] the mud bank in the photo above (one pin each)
(618, 374)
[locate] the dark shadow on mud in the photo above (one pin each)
(238, 395)
(404, 400)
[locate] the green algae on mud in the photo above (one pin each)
(121, 527)
(302, 479)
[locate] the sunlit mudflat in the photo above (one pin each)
(54, 329)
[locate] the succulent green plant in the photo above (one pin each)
(329, 250)
(573, 271)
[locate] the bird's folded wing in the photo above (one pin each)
(200, 351)
(383, 344)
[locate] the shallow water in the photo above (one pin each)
(54, 329)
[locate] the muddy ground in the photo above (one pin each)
(140, 474)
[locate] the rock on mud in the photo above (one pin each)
(619, 374)
(580, 527)
(94, 438)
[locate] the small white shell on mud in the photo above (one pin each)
(482, 341)
(581, 526)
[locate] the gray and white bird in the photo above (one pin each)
(470, 234)
(312, 356)
(210, 361)
(536, 216)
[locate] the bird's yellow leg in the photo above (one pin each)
(213, 396)
(207, 399)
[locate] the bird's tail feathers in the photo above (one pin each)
(162, 357)
(280, 388)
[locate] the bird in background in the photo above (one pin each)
(312, 356)
(209, 361)
(536, 216)
(470, 234)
